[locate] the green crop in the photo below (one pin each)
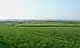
(48, 25)
(41, 37)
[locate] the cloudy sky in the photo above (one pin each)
(40, 9)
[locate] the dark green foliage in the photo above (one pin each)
(4, 43)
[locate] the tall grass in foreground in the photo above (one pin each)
(37, 37)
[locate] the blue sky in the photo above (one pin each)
(40, 9)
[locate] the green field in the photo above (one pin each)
(48, 25)
(33, 34)
(41, 37)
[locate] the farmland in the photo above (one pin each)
(40, 36)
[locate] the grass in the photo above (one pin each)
(48, 25)
(41, 37)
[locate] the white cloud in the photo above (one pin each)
(24, 9)
(11, 8)
(19, 8)
(37, 9)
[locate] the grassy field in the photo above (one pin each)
(41, 37)
(33, 34)
(48, 25)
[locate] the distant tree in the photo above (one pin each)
(22, 22)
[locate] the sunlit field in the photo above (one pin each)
(40, 36)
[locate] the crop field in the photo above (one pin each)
(41, 37)
(48, 25)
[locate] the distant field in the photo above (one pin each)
(48, 25)
(41, 37)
